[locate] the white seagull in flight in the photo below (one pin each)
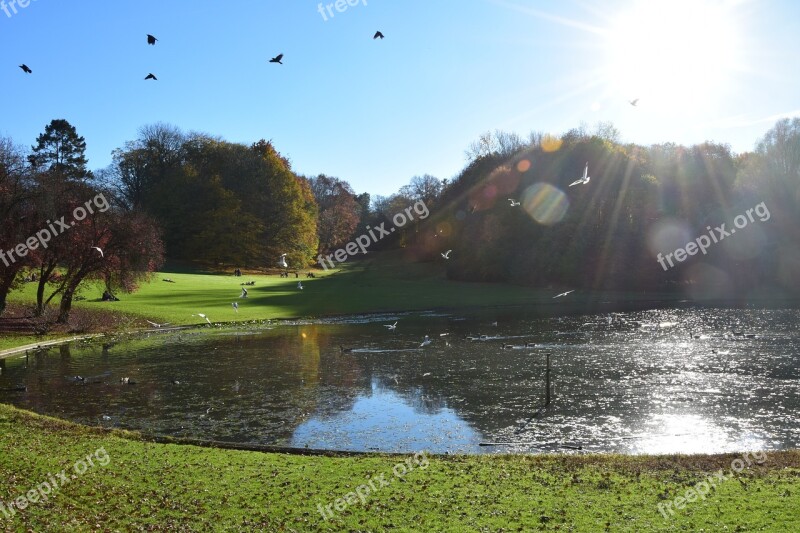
(282, 262)
(391, 326)
(99, 250)
(201, 315)
(446, 255)
(514, 203)
(583, 180)
(426, 342)
(563, 294)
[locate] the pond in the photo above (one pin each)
(693, 380)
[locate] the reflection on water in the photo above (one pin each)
(648, 382)
(383, 420)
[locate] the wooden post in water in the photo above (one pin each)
(547, 383)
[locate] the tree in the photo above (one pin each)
(779, 162)
(60, 151)
(286, 208)
(500, 143)
(425, 188)
(140, 171)
(15, 213)
(60, 177)
(339, 211)
(217, 202)
(131, 249)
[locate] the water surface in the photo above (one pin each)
(626, 382)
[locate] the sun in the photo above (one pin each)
(675, 54)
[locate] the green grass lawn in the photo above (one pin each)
(382, 282)
(134, 485)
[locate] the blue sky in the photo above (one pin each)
(377, 113)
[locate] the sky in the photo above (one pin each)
(378, 112)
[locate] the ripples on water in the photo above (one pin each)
(624, 382)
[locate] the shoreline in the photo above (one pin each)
(597, 304)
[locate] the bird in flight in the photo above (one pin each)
(300, 285)
(201, 315)
(426, 342)
(25, 68)
(391, 326)
(634, 102)
(282, 261)
(151, 76)
(514, 203)
(584, 179)
(235, 306)
(244, 293)
(99, 250)
(563, 294)
(378, 35)
(446, 255)
(277, 59)
(151, 39)
(158, 325)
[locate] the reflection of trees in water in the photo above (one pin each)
(423, 402)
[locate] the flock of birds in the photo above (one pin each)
(612, 322)
(427, 340)
(151, 40)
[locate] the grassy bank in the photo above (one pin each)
(381, 283)
(157, 487)
(369, 286)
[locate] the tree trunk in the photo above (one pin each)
(6, 282)
(66, 305)
(5, 286)
(44, 275)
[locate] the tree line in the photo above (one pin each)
(194, 197)
(641, 201)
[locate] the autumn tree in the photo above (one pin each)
(60, 175)
(129, 250)
(15, 213)
(339, 211)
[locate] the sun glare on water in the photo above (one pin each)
(673, 54)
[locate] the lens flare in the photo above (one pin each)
(551, 143)
(667, 235)
(444, 229)
(546, 204)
